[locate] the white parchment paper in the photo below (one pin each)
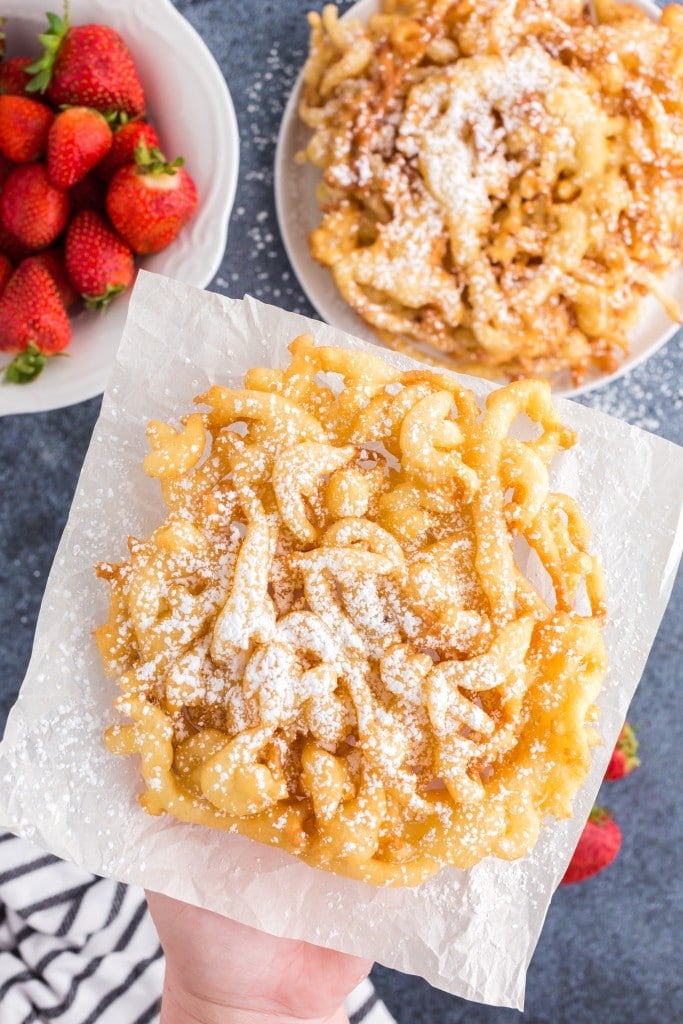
(470, 933)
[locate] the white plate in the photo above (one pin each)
(298, 215)
(191, 108)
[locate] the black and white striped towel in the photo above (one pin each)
(76, 949)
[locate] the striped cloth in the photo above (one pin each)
(77, 949)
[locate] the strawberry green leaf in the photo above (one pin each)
(41, 69)
(25, 366)
(58, 26)
(103, 300)
(150, 160)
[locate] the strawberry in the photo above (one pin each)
(123, 146)
(11, 247)
(624, 756)
(33, 321)
(6, 271)
(53, 261)
(13, 75)
(99, 264)
(24, 126)
(31, 208)
(148, 202)
(6, 167)
(78, 139)
(597, 847)
(87, 65)
(88, 193)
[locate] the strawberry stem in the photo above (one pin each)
(42, 68)
(25, 366)
(150, 160)
(103, 300)
(628, 744)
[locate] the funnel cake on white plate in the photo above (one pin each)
(502, 183)
(330, 643)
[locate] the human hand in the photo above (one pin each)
(222, 972)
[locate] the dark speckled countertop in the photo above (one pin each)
(610, 951)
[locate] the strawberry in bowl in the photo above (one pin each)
(78, 107)
(77, 95)
(87, 65)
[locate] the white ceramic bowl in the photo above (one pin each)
(298, 214)
(190, 106)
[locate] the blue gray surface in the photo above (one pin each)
(611, 948)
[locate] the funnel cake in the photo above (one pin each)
(331, 643)
(501, 183)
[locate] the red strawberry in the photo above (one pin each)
(78, 139)
(24, 126)
(124, 144)
(99, 264)
(88, 194)
(597, 847)
(87, 65)
(11, 247)
(148, 202)
(13, 75)
(53, 261)
(32, 315)
(31, 208)
(624, 756)
(6, 271)
(6, 167)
